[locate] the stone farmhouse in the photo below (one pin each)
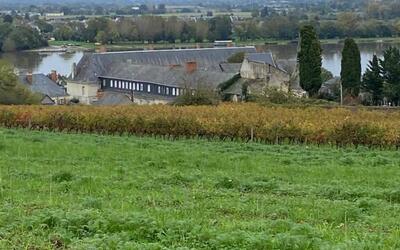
(159, 76)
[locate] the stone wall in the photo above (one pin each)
(265, 76)
(86, 93)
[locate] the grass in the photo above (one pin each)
(83, 191)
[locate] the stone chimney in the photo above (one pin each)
(73, 71)
(191, 67)
(54, 76)
(29, 77)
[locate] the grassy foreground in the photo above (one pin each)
(82, 191)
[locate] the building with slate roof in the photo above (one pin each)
(51, 92)
(157, 76)
(263, 70)
(93, 65)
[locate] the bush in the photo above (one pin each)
(198, 97)
(276, 96)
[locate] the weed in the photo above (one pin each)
(62, 176)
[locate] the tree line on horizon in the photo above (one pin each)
(154, 28)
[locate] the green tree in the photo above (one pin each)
(11, 91)
(310, 60)
(372, 81)
(172, 29)
(63, 33)
(220, 28)
(348, 22)
(264, 12)
(23, 37)
(351, 68)
(102, 37)
(391, 74)
(44, 26)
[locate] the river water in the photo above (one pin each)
(332, 54)
(62, 62)
(38, 62)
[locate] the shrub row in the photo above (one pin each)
(335, 126)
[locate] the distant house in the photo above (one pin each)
(153, 76)
(261, 66)
(258, 73)
(159, 76)
(223, 43)
(52, 93)
(55, 14)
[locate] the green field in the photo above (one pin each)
(107, 192)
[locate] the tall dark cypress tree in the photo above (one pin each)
(372, 81)
(351, 68)
(391, 74)
(310, 60)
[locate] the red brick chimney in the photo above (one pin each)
(191, 67)
(54, 76)
(29, 77)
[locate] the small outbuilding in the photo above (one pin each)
(52, 93)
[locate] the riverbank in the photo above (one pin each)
(85, 46)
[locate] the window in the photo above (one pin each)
(148, 88)
(167, 90)
(123, 84)
(159, 89)
(177, 91)
(137, 86)
(141, 87)
(130, 85)
(104, 82)
(61, 101)
(173, 91)
(134, 86)
(119, 84)
(111, 83)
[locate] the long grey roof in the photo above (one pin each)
(93, 65)
(43, 85)
(266, 58)
(173, 76)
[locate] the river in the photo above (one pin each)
(62, 61)
(332, 54)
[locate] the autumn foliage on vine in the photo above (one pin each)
(297, 125)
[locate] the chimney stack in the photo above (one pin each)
(29, 77)
(54, 76)
(191, 67)
(73, 71)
